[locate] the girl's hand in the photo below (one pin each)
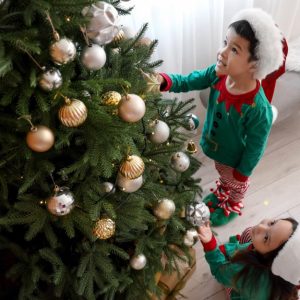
(205, 233)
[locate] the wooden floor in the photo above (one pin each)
(274, 192)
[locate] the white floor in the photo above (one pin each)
(274, 192)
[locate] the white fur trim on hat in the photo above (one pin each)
(269, 49)
(287, 262)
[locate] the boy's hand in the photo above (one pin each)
(205, 233)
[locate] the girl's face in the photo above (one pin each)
(270, 234)
(233, 57)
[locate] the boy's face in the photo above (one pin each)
(233, 57)
(269, 234)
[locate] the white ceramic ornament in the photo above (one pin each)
(61, 203)
(138, 262)
(180, 162)
(93, 57)
(62, 51)
(129, 185)
(160, 132)
(50, 80)
(131, 108)
(197, 213)
(164, 209)
(103, 23)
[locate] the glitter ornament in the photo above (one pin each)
(50, 80)
(197, 213)
(191, 122)
(104, 228)
(131, 108)
(93, 57)
(138, 262)
(62, 51)
(103, 22)
(40, 138)
(180, 162)
(129, 185)
(61, 203)
(160, 132)
(111, 98)
(107, 187)
(164, 209)
(132, 167)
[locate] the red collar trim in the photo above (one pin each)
(234, 100)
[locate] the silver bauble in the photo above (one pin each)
(93, 57)
(61, 203)
(180, 162)
(107, 187)
(164, 209)
(103, 22)
(131, 108)
(138, 262)
(129, 185)
(160, 132)
(50, 80)
(192, 122)
(62, 51)
(197, 213)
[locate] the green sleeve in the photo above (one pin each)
(197, 80)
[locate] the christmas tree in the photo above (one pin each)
(95, 169)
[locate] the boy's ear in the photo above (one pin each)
(253, 67)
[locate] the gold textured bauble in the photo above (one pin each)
(133, 167)
(118, 38)
(111, 98)
(131, 108)
(104, 228)
(40, 138)
(164, 209)
(73, 113)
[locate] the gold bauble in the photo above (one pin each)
(164, 209)
(191, 147)
(104, 228)
(133, 167)
(118, 38)
(131, 108)
(73, 113)
(111, 98)
(40, 138)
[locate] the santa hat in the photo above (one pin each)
(269, 48)
(287, 262)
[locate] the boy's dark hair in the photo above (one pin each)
(244, 29)
(257, 264)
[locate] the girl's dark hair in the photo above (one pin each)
(244, 29)
(257, 264)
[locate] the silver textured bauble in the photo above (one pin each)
(62, 51)
(107, 187)
(160, 132)
(103, 23)
(180, 162)
(93, 57)
(197, 213)
(61, 203)
(138, 262)
(164, 209)
(129, 185)
(131, 108)
(50, 80)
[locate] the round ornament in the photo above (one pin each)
(61, 203)
(73, 113)
(107, 187)
(104, 228)
(40, 138)
(164, 209)
(103, 22)
(93, 57)
(138, 262)
(160, 132)
(111, 98)
(192, 122)
(132, 167)
(50, 80)
(180, 162)
(62, 51)
(190, 237)
(131, 108)
(145, 41)
(118, 38)
(129, 185)
(197, 213)
(191, 147)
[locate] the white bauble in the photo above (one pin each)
(138, 262)
(62, 51)
(103, 23)
(93, 57)
(129, 185)
(61, 203)
(160, 132)
(107, 187)
(131, 108)
(190, 237)
(50, 79)
(164, 209)
(128, 32)
(180, 162)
